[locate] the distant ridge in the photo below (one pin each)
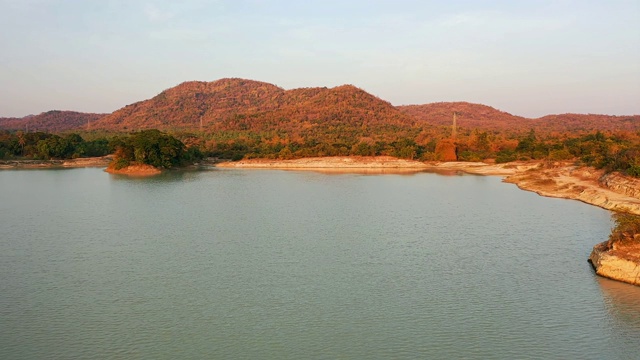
(470, 115)
(484, 117)
(234, 104)
(54, 120)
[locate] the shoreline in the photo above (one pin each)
(102, 161)
(611, 191)
(329, 162)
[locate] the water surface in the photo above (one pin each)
(284, 264)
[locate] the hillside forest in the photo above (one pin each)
(236, 119)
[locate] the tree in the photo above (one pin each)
(22, 141)
(528, 144)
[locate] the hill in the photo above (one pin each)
(186, 105)
(470, 116)
(588, 122)
(239, 105)
(482, 117)
(51, 121)
(236, 118)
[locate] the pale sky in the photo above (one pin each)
(526, 57)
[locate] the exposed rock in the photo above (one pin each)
(622, 184)
(618, 262)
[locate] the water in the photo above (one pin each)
(265, 264)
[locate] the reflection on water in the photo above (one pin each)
(622, 301)
(165, 176)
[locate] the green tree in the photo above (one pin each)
(528, 144)
(151, 147)
(22, 141)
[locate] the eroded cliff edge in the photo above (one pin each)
(617, 261)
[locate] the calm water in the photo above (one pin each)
(260, 264)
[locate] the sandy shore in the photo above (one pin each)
(349, 163)
(47, 164)
(334, 162)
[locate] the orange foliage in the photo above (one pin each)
(476, 116)
(51, 121)
(446, 150)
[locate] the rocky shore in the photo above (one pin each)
(611, 191)
(618, 261)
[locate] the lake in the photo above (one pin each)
(269, 264)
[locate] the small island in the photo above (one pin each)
(148, 152)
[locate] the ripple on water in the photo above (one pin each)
(272, 264)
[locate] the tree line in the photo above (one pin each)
(45, 146)
(604, 150)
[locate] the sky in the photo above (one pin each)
(526, 57)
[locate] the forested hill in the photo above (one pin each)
(471, 116)
(51, 121)
(241, 105)
(238, 118)
(482, 117)
(588, 122)
(253, 107)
